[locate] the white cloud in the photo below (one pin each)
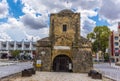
(114, 27)
(110, 11)
(86, 4)
(33, 22)
(3, 9)
(14, 23)
(87, 27)
(45, 7)
(5, 37)
(28, 9)
(15, 1)
(87, 24)
(31, 25)
(41, 33)
(13, 29)
(31, 37)
(88, 13)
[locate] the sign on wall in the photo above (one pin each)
(38, 63)
(62, 47)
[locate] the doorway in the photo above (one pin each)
(62, 63)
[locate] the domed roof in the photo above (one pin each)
(66, 11)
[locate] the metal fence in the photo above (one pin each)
(109, 70)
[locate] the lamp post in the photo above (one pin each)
(32, 47)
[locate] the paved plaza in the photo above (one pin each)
(6, 69)
(56, 76)
(40, 76)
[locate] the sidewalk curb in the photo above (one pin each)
(6, 78)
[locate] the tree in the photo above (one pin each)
(15, 53)
(91, 36)
(100, 35)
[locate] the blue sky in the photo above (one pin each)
(27, 20)
(99, 22)
(15, 8)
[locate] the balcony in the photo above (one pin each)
(18, 47)
(3, 48)
(11, 47)
(26, 47)
(33, 48)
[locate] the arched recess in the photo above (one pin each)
(62, 63)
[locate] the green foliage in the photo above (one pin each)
(106, 57)
(91, 36)
(95, 46)
(15, 53)
(100, 35)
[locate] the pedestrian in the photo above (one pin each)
(109, 61)
(70, 67)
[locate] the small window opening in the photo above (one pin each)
(64, 28)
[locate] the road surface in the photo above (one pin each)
(15, 68)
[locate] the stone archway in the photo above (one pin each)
(62, 63)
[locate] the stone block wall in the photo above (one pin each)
(80, 48)
(45, 58)
(82, 60)
(72, 22)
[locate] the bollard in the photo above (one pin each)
(97, 75)
(91, 72)
(94, 74)
(26, 73)
(32, 70)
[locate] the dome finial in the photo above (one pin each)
(68, 4)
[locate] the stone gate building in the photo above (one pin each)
(64, 49)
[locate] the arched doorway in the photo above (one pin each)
(62, 63)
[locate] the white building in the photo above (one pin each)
(25, 47)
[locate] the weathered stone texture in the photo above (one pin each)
(82, 60)
(44, 45)
(79, 50)
(57, 35)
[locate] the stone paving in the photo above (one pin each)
(56, 76)
(111, 71)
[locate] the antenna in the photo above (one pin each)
(67, 1)
(68, 4)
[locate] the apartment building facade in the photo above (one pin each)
(114, 45)
(25, 47)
